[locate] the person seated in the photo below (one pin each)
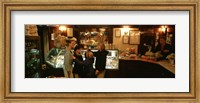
(162, 49)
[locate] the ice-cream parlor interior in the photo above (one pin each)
(135, 51)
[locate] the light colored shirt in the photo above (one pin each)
(68, 60)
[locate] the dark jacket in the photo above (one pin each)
(87, 67)
(100, 59)
(166, 47)
(77, 67)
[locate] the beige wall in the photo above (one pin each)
(117, 41)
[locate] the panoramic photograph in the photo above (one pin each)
(99, 51)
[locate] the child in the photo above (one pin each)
(78, 69)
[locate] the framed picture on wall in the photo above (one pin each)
(117, 33)
(70, 32)
(134, 37)
(125, 39)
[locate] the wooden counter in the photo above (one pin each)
(142, 68)
(164, 63)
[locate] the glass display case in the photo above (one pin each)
(32, 57)
(55, 57)
(112, 60)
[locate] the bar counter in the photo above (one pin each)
(142, 68)
(130, 68)
(164, 63)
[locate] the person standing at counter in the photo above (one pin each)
(68, 60)
(163, 49)
(100, 64)
(78, 69)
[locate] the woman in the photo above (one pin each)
(68, 60)
(163, 49)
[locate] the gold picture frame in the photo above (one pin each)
(117, 33)
(11, 5)
(125, 39)
(134, 37)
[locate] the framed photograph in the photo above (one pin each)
(125, 39)
(70, 32)
(183, 88)
(117, 33)
(134, 37)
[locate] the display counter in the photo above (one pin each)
(55, 58)
(54, 63)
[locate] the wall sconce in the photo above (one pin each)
(126, 33)
(62, 28)
(163, 29)
(125, 30)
